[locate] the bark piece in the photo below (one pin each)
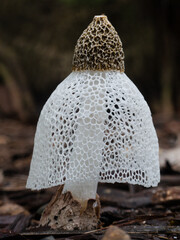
(152, 229)
(15, 223)
(66, 213)
(7, 220)
(20, 223)
(115, 233)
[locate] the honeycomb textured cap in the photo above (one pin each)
(99, 47)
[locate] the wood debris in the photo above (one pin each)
(65, 213)
(143, 213)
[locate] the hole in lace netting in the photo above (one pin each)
(95, 120)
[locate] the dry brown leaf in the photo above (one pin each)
(115, 233)
(12, 209)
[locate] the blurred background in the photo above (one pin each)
(37, 39)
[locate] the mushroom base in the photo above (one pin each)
(66, 213)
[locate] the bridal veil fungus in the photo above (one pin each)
(95, 127)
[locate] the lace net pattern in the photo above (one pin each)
(96, 126)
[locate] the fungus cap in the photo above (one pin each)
(99, 47)
(96, 126)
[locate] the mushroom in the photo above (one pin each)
(95, 127)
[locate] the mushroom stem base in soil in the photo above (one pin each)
(65, 213)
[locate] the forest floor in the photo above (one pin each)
(152, 213)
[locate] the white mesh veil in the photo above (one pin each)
(95, 125)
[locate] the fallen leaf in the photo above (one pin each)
(12, 209)
(115, 233)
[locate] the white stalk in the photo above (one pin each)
(85, 161)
